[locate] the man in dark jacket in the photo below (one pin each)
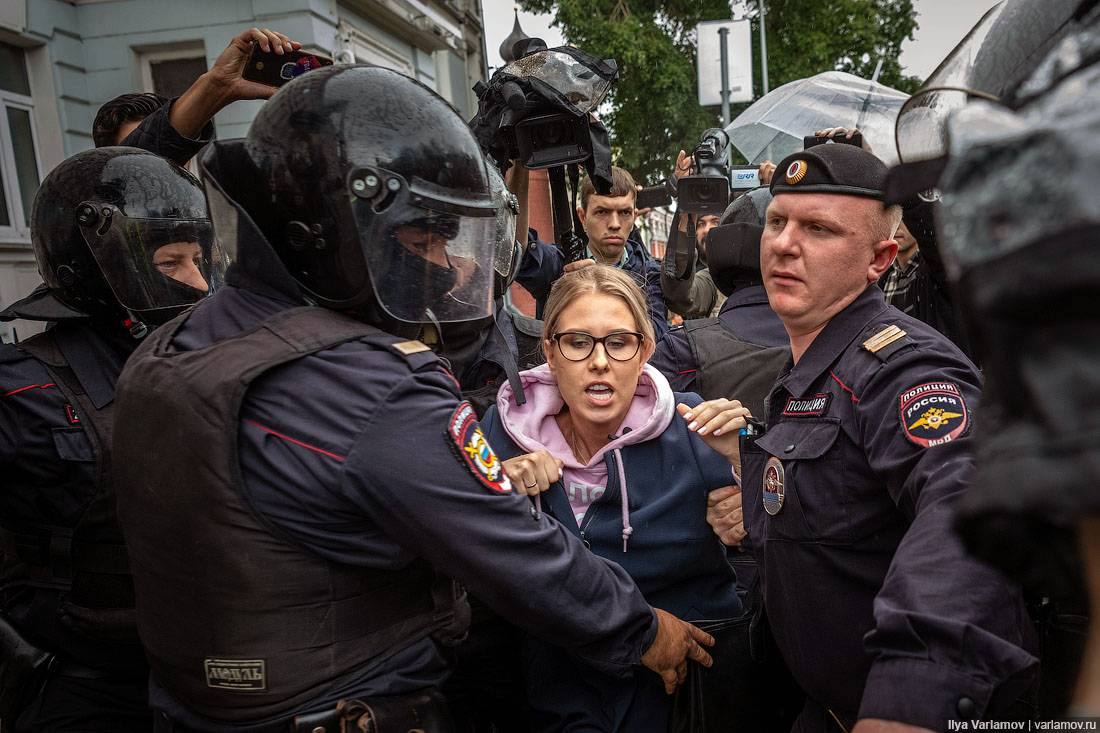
(292, 553)
(608, 222)
(178, 128)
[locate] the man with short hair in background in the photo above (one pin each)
(608, 221)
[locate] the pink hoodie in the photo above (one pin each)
(532, 426)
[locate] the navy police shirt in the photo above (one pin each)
(848, 497)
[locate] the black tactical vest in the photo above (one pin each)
(238, 622)
(732, 368)
(82, 571)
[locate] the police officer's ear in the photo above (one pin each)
(884, 253)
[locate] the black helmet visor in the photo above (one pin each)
(429, 257)
(154, 263)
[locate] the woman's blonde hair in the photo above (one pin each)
(601, 279)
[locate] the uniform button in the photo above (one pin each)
(966, 709)
(789, 448)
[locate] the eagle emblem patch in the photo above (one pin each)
(933, 413)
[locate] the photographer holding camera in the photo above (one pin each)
(697, 296)
(701, 180)
(608, 221)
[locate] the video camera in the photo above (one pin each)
(544, 137)
(707, 191)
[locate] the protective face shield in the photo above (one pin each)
(423, 249)
(152, 264)
(508, 252)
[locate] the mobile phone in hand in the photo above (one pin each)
(813, 140)
(267, 67)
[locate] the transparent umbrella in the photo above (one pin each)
(773, 127)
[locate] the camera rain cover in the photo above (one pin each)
(576, 80)
(562, 79)
(156, 263)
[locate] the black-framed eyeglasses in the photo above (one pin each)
(578, 345)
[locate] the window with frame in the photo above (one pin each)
(19, 172)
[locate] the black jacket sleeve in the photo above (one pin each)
(946, 625)
(156, 134)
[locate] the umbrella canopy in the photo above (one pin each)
(773, 127)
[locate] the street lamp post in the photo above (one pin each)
(763, 48)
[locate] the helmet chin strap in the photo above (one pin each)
(431, 333)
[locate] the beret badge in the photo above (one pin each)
(796, 171)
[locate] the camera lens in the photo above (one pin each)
(551, 134)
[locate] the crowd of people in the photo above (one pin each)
(287, 459)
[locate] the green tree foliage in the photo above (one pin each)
(654, 110)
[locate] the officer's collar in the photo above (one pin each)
(95, 357)
(837, 335)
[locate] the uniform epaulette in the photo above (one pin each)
(885, 340)
(416, 354)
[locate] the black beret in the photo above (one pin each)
(831, 168)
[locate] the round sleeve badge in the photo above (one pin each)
(474, 450)
(773, 486)
(933, 413)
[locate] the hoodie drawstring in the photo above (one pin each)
(624, 497)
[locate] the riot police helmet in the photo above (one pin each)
(122, 232)
(375, 196)
(733, 247)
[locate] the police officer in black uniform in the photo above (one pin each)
(317, 479)
(739, 353)
(878, 611)
(123, 242)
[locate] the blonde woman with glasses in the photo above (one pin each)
(599, 445)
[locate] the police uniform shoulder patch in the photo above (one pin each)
(933, 413)
(408, 348)
(885, 341)
(469, 442)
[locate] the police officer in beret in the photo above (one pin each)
(882, 617)
(315, 481)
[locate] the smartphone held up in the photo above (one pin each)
(268, 67)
